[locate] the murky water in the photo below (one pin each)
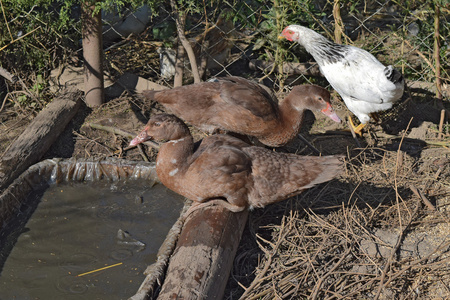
(80, 227)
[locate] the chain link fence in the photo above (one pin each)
(240, 38)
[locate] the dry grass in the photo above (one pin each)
(367, 235)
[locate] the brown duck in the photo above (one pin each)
(242, 106)
(227, 170)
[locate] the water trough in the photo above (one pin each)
(197, 252)
(103, 223)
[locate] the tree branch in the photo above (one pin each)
(121, 132)
(179, 20)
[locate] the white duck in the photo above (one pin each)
(364, 83)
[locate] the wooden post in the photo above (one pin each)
(37, 138)
(92, 54)
(204, 255)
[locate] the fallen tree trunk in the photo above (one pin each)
(204, 255)
(37, 138)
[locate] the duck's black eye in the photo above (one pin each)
(320, 98)
(157, 124)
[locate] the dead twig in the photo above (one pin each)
(6, 21)
(304, 140)
(422, 197)
(416, 262)
(398, 161)
(92, 141)
(388, 265)
(142, 152)
(12, 42)
(321, 279)
(179, 20)
(259, 278)
(121, 132)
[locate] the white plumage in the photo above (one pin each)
(364, 83)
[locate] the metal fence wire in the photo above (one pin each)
(240, 38)
(233, 37)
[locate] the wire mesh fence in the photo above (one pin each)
(240, 37)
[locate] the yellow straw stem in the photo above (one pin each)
(12, 42)
(93, 271)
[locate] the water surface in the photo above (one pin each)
(79, 227)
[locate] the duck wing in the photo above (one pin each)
(278, 176)
(359, 76)
(219, 169)
(213, 100)
(244, 93)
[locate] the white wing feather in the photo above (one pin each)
(359, 76)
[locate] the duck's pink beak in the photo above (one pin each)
(329, 112)
(140, 138)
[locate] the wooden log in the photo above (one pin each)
(37, 138)
(204, 255)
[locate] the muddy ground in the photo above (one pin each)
(378, 231)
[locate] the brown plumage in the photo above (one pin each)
(242, 106)
(226, 168)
